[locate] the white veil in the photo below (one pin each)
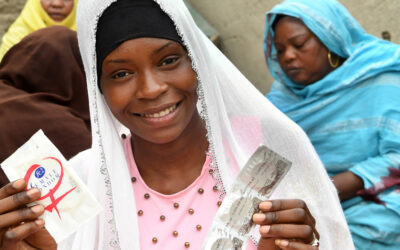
(224, 94)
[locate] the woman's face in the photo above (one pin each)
(302, 56)
(58, 10)
(150, 87)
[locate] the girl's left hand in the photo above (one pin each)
(286, 224)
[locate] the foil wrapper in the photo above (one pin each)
(232, 226)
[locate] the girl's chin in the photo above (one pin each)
(161, 137)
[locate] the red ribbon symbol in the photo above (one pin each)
(54, 202)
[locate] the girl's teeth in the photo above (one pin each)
(161, 113)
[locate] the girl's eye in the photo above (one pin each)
(120, 75)
(169, 61)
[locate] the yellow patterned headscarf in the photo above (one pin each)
(32, 18)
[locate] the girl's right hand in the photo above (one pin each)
(20, 226)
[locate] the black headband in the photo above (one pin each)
(129, 19)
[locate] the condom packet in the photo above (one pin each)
(68, 202)
(232, 225)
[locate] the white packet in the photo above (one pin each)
(255, 183)
(68, 202)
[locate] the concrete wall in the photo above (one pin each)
(9, 10)
(241, 26)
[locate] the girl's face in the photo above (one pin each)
(302, 56)
(58, 10)
(150, 87)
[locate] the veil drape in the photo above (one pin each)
(224, 95)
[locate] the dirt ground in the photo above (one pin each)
(9, 11)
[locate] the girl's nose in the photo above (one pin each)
(150, 87)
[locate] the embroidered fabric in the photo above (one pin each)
(223, 93)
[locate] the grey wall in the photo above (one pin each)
(9, 10)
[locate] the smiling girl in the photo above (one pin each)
(173, 122)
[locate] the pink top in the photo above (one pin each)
(177, 221)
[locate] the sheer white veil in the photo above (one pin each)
(224, 95)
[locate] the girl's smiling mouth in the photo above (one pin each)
(160, 114)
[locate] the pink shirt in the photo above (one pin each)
(177, 221)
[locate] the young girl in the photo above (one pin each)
(173, 121)
(39, 14)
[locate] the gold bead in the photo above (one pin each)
(155, 240)
(176, 205)
(198, 227)
(201, 191)
(215, 188)
(191, 211)
(211, 171)
(219, 203)
(133, 179)
(175, 233)
(162, 218)
(187, 244)
(140, 212)
(146, 196)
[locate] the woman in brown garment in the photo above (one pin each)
(42, 86)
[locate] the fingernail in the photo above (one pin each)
(37, 209)
(265, 229)
(258, 217)
(277, 242)
(283, 243)
(39, 222)
(18, 184)
(266, 205)
(32, 192)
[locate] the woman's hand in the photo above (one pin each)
(20, 227)
(286, 224)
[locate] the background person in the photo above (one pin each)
(341, 85)
(38, 14)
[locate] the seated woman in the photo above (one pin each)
(161, 96)
(341, 85)
(42, 86)
(38, 14)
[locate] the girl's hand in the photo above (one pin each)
(20, 227)
(286, 224)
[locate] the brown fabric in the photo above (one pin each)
(42, 86)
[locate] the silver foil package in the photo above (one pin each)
(255, 183)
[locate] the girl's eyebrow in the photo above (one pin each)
(116, 61)
(155, 52)
(162, 47)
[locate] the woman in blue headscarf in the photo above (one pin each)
(342, 86)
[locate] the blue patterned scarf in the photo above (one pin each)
(352, 115)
